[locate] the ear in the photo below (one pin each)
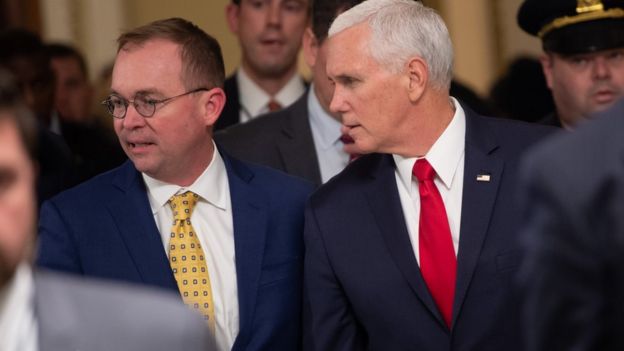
(310, 47)
(212, 104)
(547, 63)
(418, 77)
(232, 12)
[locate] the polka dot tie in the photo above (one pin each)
(187, 258)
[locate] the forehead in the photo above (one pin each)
(348, 49)
(153, 65)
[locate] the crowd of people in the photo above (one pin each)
(378, 205)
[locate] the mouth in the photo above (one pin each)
(138, 147)
(604, 96)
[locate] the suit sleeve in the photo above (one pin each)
(331, 321)
(563, 276)
(57, 247)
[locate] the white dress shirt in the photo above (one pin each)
(212, 220)
(446, 156)
(253, 99)
(18, 325)
(326, 134)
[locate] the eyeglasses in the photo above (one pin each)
(144, 105)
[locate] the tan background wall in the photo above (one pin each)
(484, 32)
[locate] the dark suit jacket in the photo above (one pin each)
(281, 140)
(231, 111)
(362, 277)
(105, 228)
(84, 314)
(573, 192)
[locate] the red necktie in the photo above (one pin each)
(274, 106)
(346, 139)
(438, 264)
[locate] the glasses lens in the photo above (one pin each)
(116, 106)
(145, 106)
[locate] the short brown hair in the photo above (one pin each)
(201, 53)
(13, 109)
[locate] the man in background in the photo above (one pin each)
(51, 312)
(269, 33)
(304, 139)
(583, 58)
(94, 147)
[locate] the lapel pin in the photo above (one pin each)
(483, 177)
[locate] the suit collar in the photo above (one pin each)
(296, 144)
(250, 221)
(483, 171)
(383, 199)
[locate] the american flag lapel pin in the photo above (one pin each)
(483, 177)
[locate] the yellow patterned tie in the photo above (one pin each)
(187, 258)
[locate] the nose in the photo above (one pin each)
(337, 103)
(133, 119)
(274, 14)
(600, 68)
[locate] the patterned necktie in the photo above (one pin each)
(346, 139)
(438, 263)
(273, 106)
(187, 258)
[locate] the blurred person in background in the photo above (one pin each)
(583, 58)
(269, 33)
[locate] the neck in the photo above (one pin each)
(430, 120)
(271, 84)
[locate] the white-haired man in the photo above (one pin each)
(412, 246)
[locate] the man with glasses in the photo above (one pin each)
(181, 214)
(583, 58)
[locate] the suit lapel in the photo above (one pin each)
(296, 145)
(384, 201)
(250, 220)
(478, 200)
(132, 212)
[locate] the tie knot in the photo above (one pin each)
(422, 170)
(182, 205)
(274, 106)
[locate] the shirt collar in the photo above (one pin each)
(444, 155)
(211, 186)
(328, 127)
(255, 99)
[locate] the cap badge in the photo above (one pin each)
(583, 6)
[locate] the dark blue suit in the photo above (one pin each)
(362, 277)
(105, 228)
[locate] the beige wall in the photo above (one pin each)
(484, 32)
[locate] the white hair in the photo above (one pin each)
(402, 29)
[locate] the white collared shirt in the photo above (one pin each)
(446, 156)
(18, 325)
(253, 100)
(326, 134)
(212, 220)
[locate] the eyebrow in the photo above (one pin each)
(140, 92)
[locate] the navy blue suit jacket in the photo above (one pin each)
(361, 275)
(105, 228)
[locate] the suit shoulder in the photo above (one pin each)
(117, 310)
(513, 131)
(259, 129)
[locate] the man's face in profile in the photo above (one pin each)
(17, 199)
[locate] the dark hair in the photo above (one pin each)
(325, 11)
(13, 109)
(201, 53)
(61, 51)
(18, 42)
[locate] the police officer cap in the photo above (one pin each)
(571, 27)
